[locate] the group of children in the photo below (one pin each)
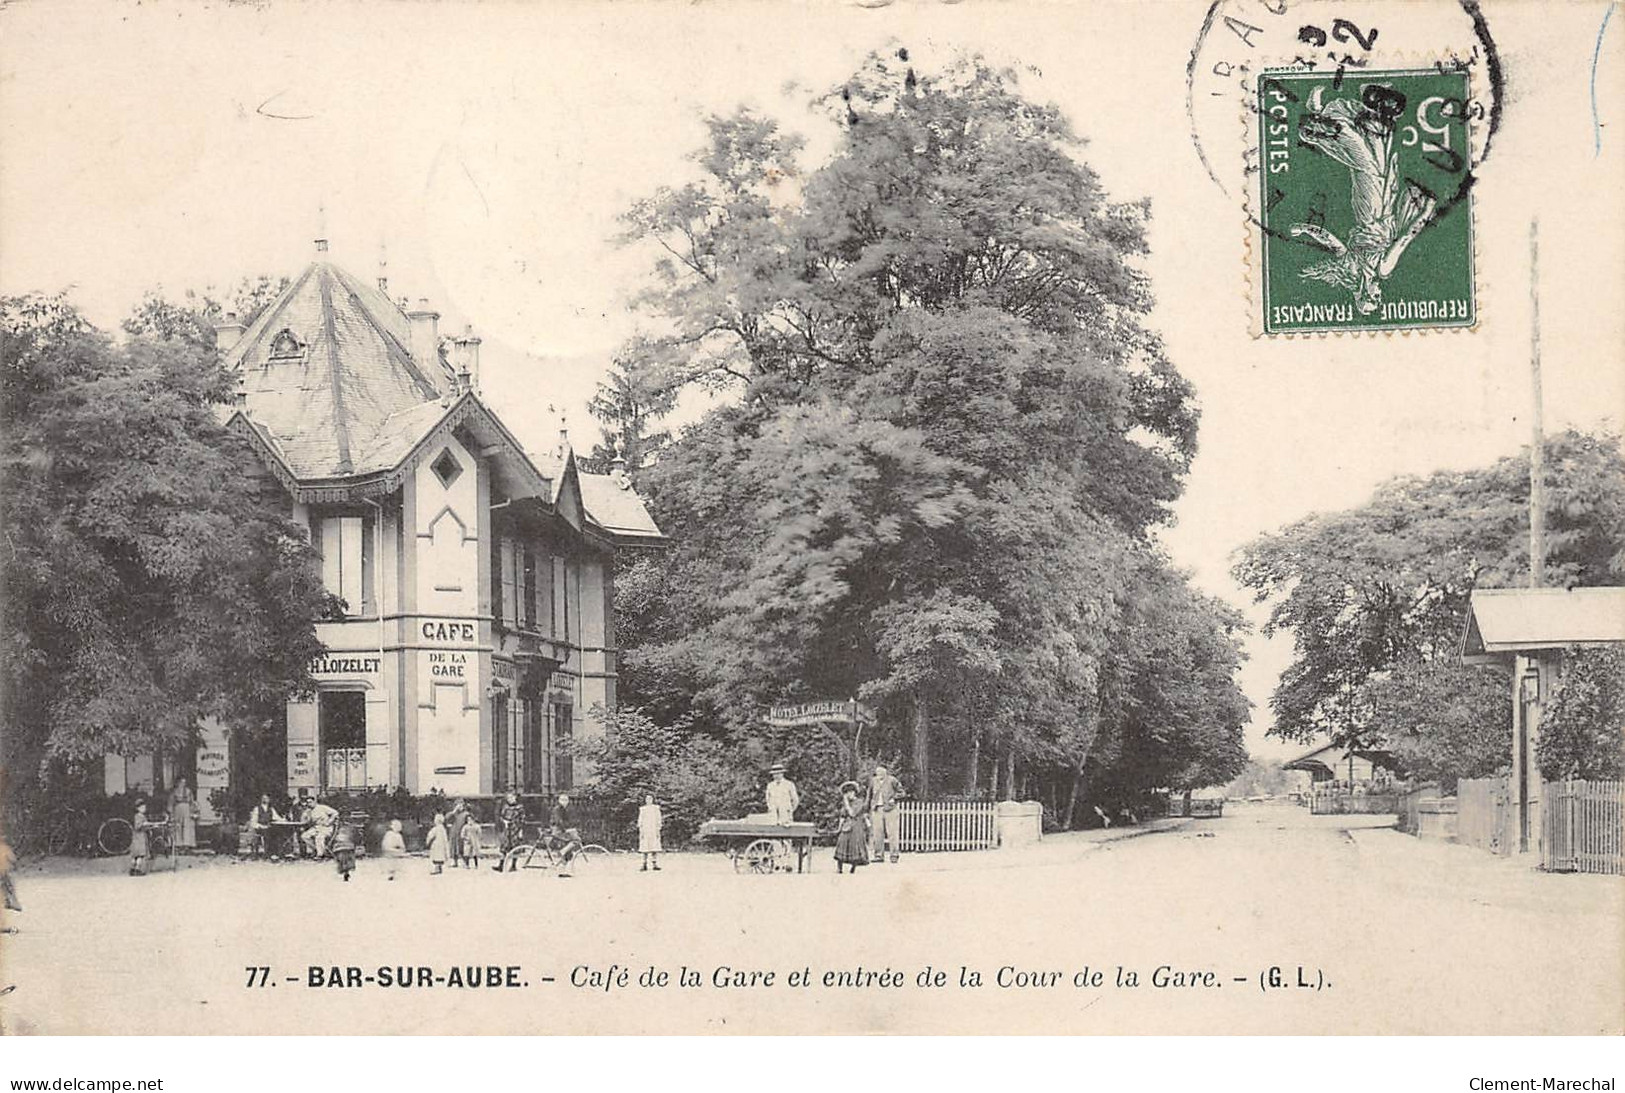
(458, 841)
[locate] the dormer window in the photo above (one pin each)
(286, 346)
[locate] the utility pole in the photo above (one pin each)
(1527, 671)
(1537, 445)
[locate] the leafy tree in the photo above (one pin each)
(193, 320)
(948, 424)
(628, 408)
(152, 576)
(1367, 590)
(1582, 727)
(1444, 720)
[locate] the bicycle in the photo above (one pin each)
(67, 830)
(116, 834)
(547, 852)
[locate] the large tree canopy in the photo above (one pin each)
(948, 432)
(151, 577)
(1375, 597)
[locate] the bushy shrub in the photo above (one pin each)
(1582, 728)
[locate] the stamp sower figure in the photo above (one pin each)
(344, 850)
(323, 819)
(782, 798)
(649, 820)
(511, 824)
(564, 833)
(1389, 212)
(439, 844)
(852, 842)
(394, 847)
(884, 793)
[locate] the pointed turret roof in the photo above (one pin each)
(326, 365)
(340, 407)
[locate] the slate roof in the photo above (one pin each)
(616, 507)
(331, 390)
(346, 371)
(1514, 620)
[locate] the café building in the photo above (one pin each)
(475, 576)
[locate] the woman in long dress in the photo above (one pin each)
(183, 816)
(852, 841)
(649, 821)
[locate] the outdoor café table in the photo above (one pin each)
(283, 837)
(761, 846)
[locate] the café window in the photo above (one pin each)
(347, 549)
(501, 758)
(528, 592)
(496, 578)
(563, 764)
(342, 724)
(536, 765)
(561, 599)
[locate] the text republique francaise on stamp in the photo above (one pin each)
(1364, 201)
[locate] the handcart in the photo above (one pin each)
(762, 846)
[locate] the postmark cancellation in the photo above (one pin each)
(1363, 219)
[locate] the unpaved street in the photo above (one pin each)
(1390, 934)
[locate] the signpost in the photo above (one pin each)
(850, 712)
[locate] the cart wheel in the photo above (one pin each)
(761, 856)
(114, 836)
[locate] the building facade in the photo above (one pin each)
(474, 629)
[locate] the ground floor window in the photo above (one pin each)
(341, 720)
(563, 763)
(502, 773)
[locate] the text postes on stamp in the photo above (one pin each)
(1364, 201)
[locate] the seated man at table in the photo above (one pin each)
(323, 821)
(260, 819)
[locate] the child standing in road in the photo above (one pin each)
(471, 843)
(394, 847)
(439, 844)
(343, 848)
(649, 820)
(139, 842)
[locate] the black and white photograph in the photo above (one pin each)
(804, 518)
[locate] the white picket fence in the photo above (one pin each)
(947, 825)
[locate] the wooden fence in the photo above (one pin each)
(947, 825)
(1485, 816)
(1583, 827)
(1345, 803)
(1408, 804)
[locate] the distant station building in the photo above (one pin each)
(476, 577)
(1335, 763)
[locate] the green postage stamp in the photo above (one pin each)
(1365, 201)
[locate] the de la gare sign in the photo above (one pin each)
(819, 713)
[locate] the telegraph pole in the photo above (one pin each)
(1526, 672)
(1537, 445)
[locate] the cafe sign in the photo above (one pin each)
(449, 631)
(820, 713)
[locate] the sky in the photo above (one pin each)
(478, 155)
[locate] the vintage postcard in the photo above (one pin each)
(813, 518)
